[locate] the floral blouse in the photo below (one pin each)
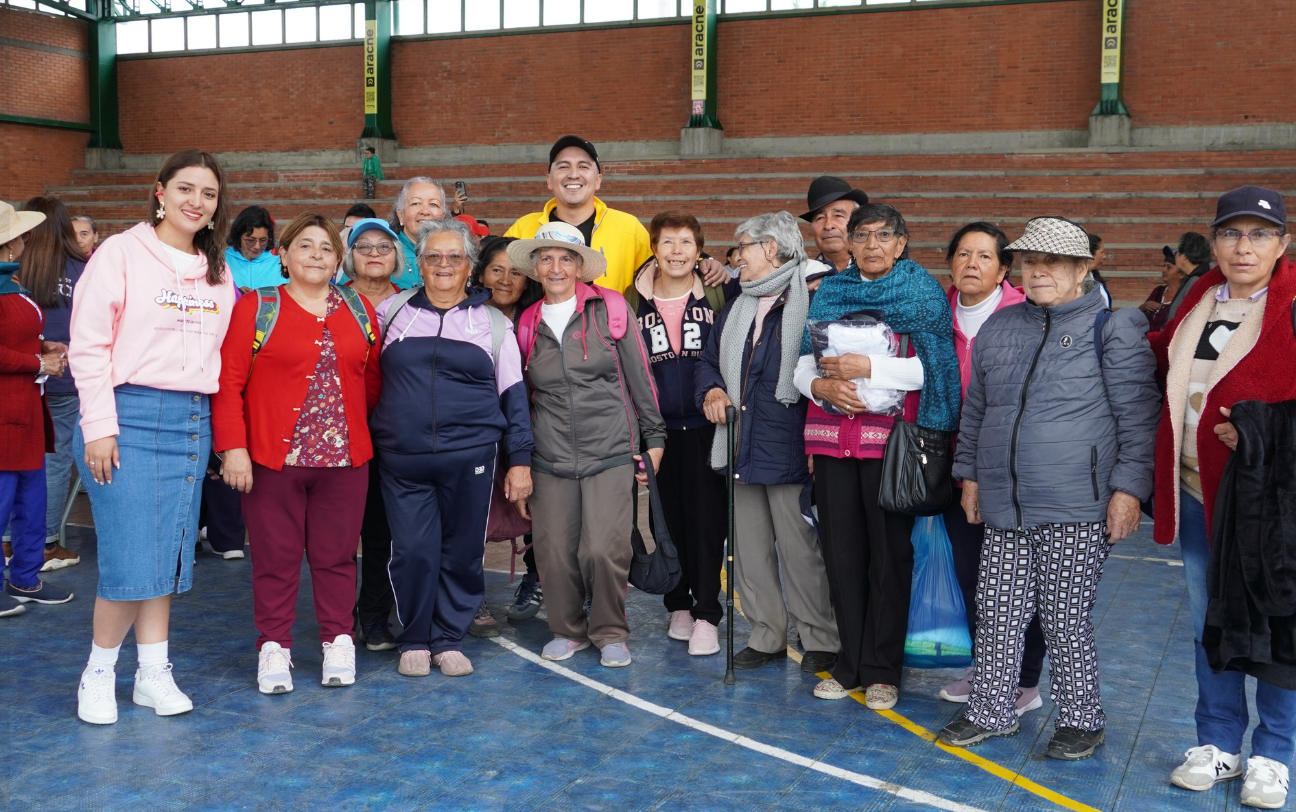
(320, 439)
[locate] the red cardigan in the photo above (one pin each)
(26, 431)
(258, 404)
(1267, 373)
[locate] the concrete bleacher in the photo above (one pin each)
(1137, 200)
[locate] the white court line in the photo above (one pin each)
(1169, 562)
(751, 744)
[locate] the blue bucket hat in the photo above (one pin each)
(369, 224)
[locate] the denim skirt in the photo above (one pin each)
(146, 520)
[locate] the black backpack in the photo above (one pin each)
(657, 572)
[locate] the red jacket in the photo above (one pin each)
(1266, 373)
(26, 431)
(258, 404)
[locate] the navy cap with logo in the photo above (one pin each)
(1168, 253)
(1254, 201)
(574, 141)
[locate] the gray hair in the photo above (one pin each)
(348, 258)
(452, 226)
(393, 219)
(94, 227)
(780, 227)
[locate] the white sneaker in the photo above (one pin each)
(232, 555)
(1204, 765)
(681, 625)
(97, 696)
(272, 669)
(1265, 786)
(339, 662)
(155, 688)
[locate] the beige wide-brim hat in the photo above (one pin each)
(1053, 235)
(557, 235)
(15, 223)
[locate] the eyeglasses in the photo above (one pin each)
(253, 241)
(434, 259)
(742, 246)
(1260, 237)
(884, 236)
(368, 249)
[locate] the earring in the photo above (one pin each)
(161, 212)
(211, 224)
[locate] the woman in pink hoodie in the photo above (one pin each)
(979, 264)
(151, 311)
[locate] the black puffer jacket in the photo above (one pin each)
(771, 436)
(1047, 434)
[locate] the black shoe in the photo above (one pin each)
(377, 636)
(812, 662)
(751, 658)
(528, 600)
(1073, 744)
(43, 593)
(962, 733)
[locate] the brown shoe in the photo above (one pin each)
(8, 552)
(58, 557)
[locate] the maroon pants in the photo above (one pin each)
(317, 511)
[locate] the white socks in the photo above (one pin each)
(151, 654)
(105, 658)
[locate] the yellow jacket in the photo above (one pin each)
(617, 235)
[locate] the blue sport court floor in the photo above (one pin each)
(662, 734)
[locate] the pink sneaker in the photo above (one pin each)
(705, 639)
(452, 663)
(681, 625)
(1028, 699)
(960, 689)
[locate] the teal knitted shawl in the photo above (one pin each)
(910, 300)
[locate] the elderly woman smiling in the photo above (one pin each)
(1055, 454)
(421, 200)
(867, 549)
(594, 407)
(748, 363)
(452, 392)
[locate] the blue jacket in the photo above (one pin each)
(263, 272)
(442, 391)
(58, 324)
(674, 371)
(771, 436)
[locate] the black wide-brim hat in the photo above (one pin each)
(825, 190)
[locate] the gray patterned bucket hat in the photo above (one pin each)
(1053, 235)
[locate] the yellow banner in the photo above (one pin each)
(1113, 16)
(699, 59)
(371, 68)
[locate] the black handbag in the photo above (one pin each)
(656, 572)
(916, 466)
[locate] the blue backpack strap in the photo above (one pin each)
(1100, 321)
(356, 305)
(267, 316)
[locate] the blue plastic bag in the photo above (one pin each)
(938, 634)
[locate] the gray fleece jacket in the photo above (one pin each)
(1046, 433)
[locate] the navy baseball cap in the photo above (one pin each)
(1255, 201)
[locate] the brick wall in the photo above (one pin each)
(44, 65)
(295, 99)
(983, 68)
(1189, 62)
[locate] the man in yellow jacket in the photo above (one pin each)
(575, 175)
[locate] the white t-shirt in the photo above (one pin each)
(557, 316)
(182, 261)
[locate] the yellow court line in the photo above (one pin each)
(1016, 779)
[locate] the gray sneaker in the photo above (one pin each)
(962, 733)
(615, 655)
(1265, 786)
(1205, 765)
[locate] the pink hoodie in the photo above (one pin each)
(136, 320)
(963, 344)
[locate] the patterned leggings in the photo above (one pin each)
(1055, 567)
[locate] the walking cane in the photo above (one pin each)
(731, 417)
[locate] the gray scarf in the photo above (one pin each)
(734, 339)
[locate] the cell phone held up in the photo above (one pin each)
(461, 190)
